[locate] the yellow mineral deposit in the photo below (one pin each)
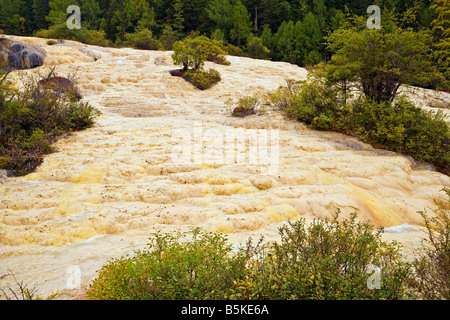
(109, 188)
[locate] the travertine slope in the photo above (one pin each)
(109, 188)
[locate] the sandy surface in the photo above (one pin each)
(165, 155)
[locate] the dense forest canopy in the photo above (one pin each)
(287, 30)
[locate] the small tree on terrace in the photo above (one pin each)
(379, 61)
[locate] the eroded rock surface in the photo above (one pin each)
(109, 188)
(16, 55)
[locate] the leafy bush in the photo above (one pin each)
(210, 49)
(331, 259)
(256, 49)
(143, 39)
(245, 106)
(187, 56)
(398, 126)
(31, 119)
(324, 260)
(191, 265)
(60, 31)
(233, 50)
(315, 103)
(193, 52)
(202, 79)
(403, 127)
(431, 269)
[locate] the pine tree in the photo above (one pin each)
(267, 38)
(311, 38)
(90, 13)
(11, 19)
(320, 12)
(221, 13)
(41, 10)
(242, 25)
(283, 42)
(129, 16)
(58, 11)
(178, 18)
(441, 25)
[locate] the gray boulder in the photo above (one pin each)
(17, 56)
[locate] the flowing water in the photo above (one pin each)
(166, 156)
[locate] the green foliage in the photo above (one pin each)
(432, 275)
(168, 38)
(232, 50)
(380, 61)
(129, 16)
(191, 265)
(203, 79)
(142, 39)
(441, 27)
(210, 49)
(32, 118)
(192, 52)
(246, 106)
(323, 260)
(57, 14)
(187, 56)
(313, 102)
(398, 126)
(221, 13)
(405, 128)
(242, 24)
(328, 259)
(60, 31)
(256, 49)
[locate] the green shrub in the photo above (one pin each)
(322, 122)
(431, 269)
(315, 103)
(210, 49)
(399, 126)
(256, 49)
(284, 97)
(331, 259)
(403, 127)
(168, 38)
(245, 106)
(192, 52)
(203, 79)
(233, 50)
(33, 118)
(60, 31)
(191, 265)
(378, 123)
(143, 39)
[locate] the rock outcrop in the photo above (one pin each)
(17, 56)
